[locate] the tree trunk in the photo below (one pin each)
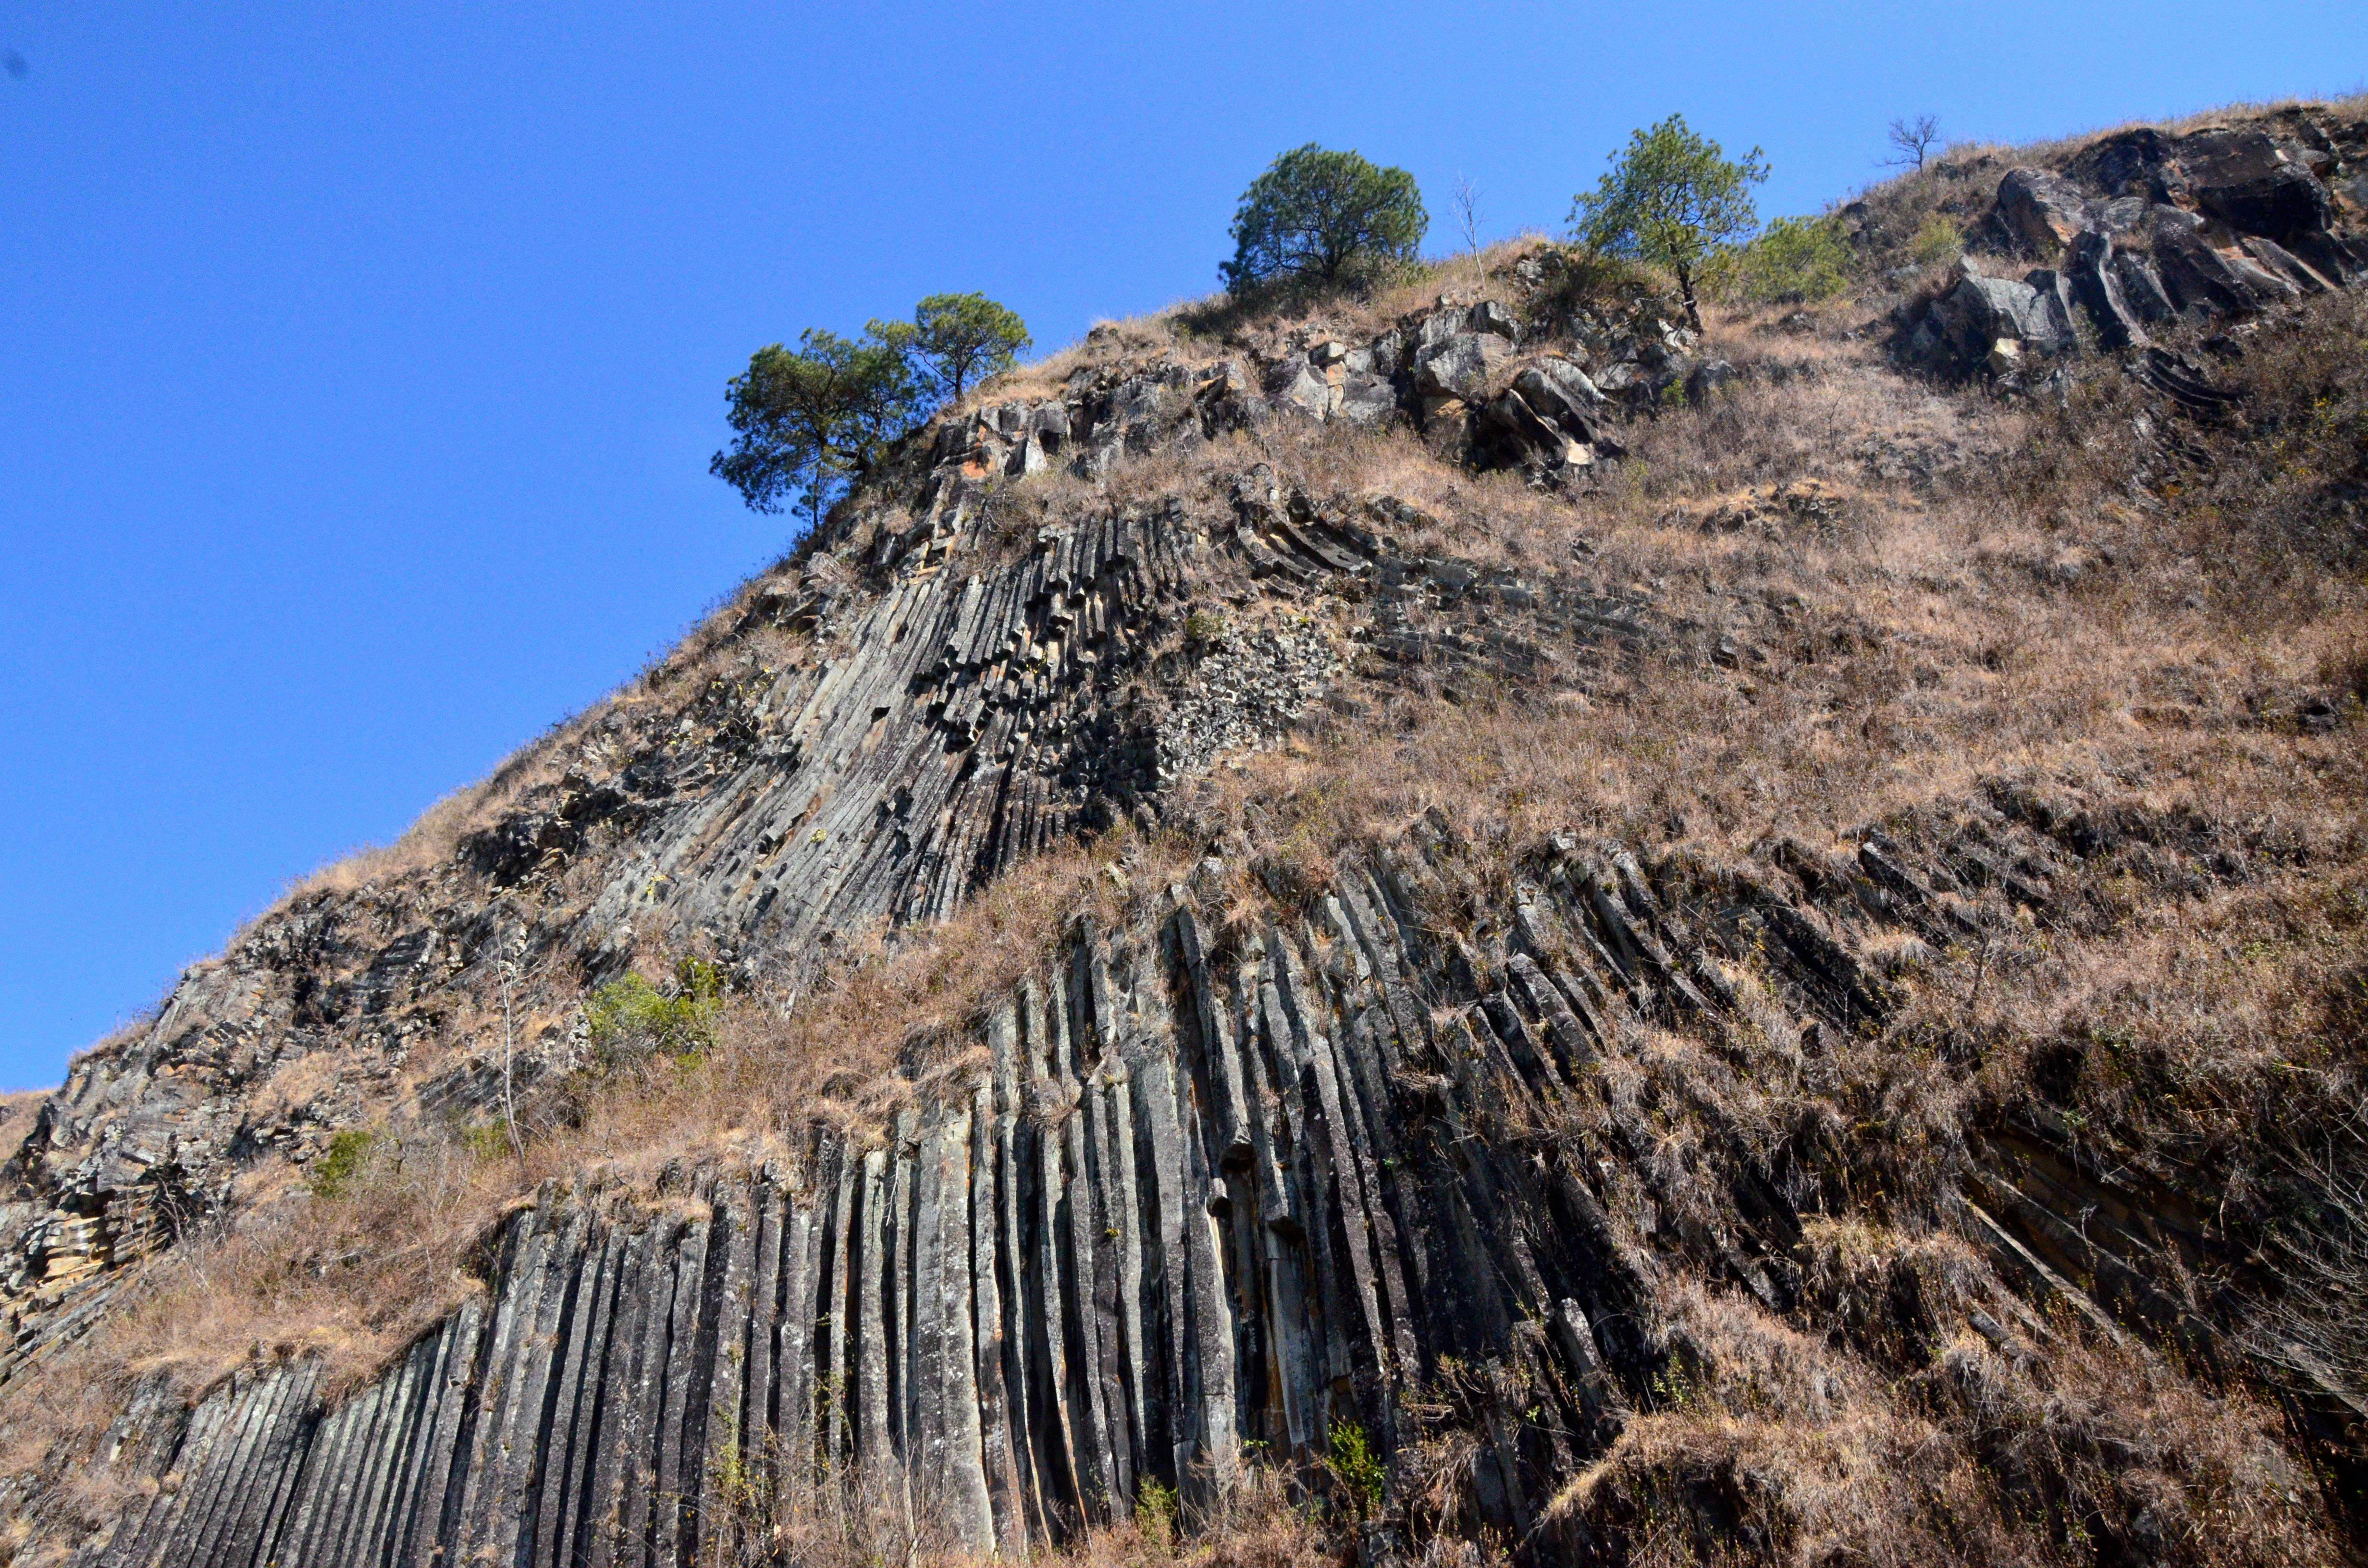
(1686, 289)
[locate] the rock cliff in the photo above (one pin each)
(1679, 1166)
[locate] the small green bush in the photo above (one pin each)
(1938, 240)
(1155, 1511)
(334, 1172)
(486, 1140)
(1792, 261)
(1203, 627)
(629, 1017)
(1357, 1468)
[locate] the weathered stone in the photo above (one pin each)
(2041, 211)
(2276, 260)
(1296, 383)
(2244, 179)
(2141, 288)
(1462, 366)
(1489, 316)
(2098, 289)
(1962, 326)
(2139, 164)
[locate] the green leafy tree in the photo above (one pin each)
(1792, 261)
(1672, 199)
(962, 339)
(1324, 216)
(809, 422)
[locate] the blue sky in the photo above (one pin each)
(359, 365)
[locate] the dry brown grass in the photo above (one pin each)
(18, 1112)
(353, 1279)
(1769, 1447)
(2037, 593)
(886, 1515)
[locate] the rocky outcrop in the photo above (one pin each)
(2146, 228)
(1421, 1150)
(937, 701)
(1215, 1193)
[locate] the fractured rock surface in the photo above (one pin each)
(2144, 228)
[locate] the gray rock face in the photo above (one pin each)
(2097, 285)
(1195, 1202)
(1962, 326)
(2042, 211)
(1460, 366)
(944, 710)
(1206, 1198)
(2249, 182)
(2147, 227)
(2205, 280)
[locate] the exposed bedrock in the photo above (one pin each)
(1213, 1196)
(987, 698)
(2142, 228)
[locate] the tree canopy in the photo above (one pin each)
(1673, 199)
(1324, 216)
(962, 339)
(1792, 261)
(808, 421)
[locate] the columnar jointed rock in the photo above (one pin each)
(2145, 227)
(1202, 1196)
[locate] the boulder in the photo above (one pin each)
(2142, 287)
(2054, 291)
(2202, 280)
(1522, 434)
(1228, 379)
(1569, 380)
(2138, 162)
(1028, 457)
(2039, 210)
(2098, 289)
(1544, 393)
(1438, 327)
(1365, 399)
(1295, 383)
(1049, 423)
(2122, 214)
(1460, 366)
(2248, 181)
(1710, 378)
(1980, 310)
(1491, 317)
(1953, 334)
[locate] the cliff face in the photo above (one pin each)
(949, 700)
(1195, 1200)
(1615, 1035)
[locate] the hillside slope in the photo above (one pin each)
(1453, 924)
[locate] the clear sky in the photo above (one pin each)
(359, 365)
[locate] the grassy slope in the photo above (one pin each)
(2033, 595)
